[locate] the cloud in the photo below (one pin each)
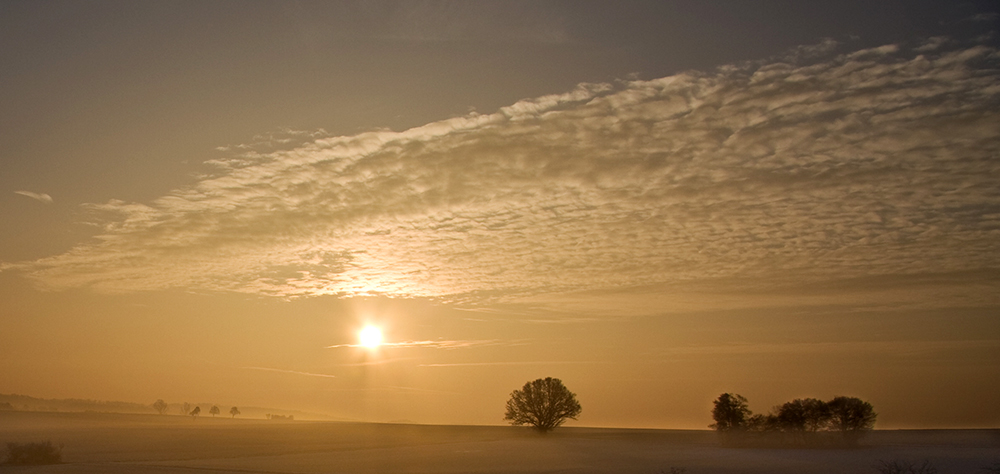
(370, 362)
(882, 348)
(478, 364)
(984, 17)
(41, 197)
(428, 344)
(814, 168)
(294, 372)
(394, 388)
(932, 44)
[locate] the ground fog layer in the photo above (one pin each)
(118, 443)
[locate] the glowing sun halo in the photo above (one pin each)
(370, 337)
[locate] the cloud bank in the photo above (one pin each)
(815, 168)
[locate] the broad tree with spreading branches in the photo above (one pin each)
(543, 403)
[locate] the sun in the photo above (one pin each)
(370, 337)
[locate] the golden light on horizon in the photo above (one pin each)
(370, 337)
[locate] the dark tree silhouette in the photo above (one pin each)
(761, 423)
(851, 416)
(234, 411)
(33, 453)
(807, 414)
(543, 403)
(730, 412)
(196, 411)
(160, 406)
(817, 414)
(214, 410)
(796, 422)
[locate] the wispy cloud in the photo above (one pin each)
(550, 362)
(894, 348)
(818, 167)
(429, 344)
(369, 363)
(984, 17)
(394, 388)
(293, 372)
(41, 197)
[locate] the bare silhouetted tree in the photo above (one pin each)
(234, 411)
(730, 412)
(543, 403)
(160, 406)
(214, 410)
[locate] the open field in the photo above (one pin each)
(119, 443)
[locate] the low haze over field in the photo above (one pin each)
(404, 211)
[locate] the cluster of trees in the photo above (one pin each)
(851, 417)
(161, 407)
(545, 404)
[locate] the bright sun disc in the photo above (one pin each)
(370, 337)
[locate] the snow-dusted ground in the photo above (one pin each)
(97, 443)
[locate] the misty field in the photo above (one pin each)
(119, 443)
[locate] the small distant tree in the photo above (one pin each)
(160, 406)
(543, 403)
(195, 412)
(730, 412)
(214, 411)
(851, 416)
(186, 408)
(234, 411)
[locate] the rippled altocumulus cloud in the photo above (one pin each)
(881, 162)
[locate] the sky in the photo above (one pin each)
(656, 202)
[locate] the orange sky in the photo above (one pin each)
(207, 205)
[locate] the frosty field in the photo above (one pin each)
(120, 443)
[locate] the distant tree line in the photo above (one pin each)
(161, 407)
(806, 421)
